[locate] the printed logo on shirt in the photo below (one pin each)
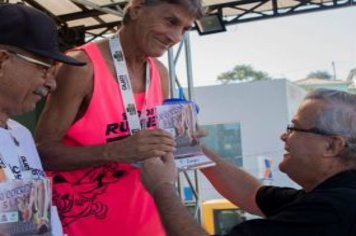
(80, 199)
(37, 173)
(119, 130)
(16, 171)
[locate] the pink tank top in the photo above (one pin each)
(110, 199)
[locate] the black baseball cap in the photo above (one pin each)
(32, 30)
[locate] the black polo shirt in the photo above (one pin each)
(328, 210)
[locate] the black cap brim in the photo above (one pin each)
(58, 57)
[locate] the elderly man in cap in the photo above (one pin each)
(320, 155)
(28, 51)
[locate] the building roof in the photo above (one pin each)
(317, 81)
(99, 17)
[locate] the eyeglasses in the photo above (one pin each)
(42, 65)
(291, 128)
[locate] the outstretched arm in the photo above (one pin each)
(233, 183)
(159, 176)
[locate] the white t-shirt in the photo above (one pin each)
(18, 151)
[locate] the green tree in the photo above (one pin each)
(320, 75)
(242, 73)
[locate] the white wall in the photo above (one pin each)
(263, 109)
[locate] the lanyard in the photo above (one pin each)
(124, 83)
(7, 172)
(23, 171)
(24, 164)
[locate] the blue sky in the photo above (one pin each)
(287, 47)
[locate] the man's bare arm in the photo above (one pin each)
(65, 106)
(159, 176)
(176, 218)
(233, 183)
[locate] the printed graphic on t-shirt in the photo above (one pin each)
(119, 130)
(79, 199)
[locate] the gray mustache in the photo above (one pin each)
(43, 92)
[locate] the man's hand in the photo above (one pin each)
(158, 171)
(142, 145)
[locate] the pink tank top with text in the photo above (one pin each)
(110, 199)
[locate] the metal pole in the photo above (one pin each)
(173, 93)
(172, 73)
(118, 12)
(188, 58)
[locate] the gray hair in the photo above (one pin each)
(194, 7)
(337, 117)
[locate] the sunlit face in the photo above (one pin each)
(23, 82)
(159, 27)
(303, 151)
